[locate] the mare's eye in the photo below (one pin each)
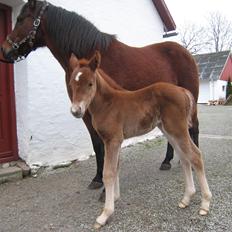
(19, 19)
(90, 84)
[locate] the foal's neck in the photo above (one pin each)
(105, 92)
(106, 87)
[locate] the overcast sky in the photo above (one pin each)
(196, 11)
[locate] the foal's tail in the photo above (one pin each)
(191, 107)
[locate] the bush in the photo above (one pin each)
(228, 88)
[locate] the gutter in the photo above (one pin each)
(165, 15)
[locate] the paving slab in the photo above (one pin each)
(61, 201)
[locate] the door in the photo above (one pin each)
(8, 138)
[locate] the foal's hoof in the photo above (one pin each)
(102, 196)
(182, 205)
(203, 212)
(97, 226)
(165, 166)
(95, 185)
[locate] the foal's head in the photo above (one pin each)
(83, 82)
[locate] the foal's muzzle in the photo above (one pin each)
(77, 112)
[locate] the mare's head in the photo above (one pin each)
(27, 34)
(83, 82)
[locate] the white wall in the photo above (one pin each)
(220, 91)
(135, 23)
(211, 90)
(47, 133)
(204, 91)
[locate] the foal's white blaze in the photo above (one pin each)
(77, 78)
(82, 105)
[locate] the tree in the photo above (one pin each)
(219, 32)
(215, 36)
(192, 37)
(228, 88)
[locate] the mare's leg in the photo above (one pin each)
(166, 165)
(98, 147)
(110, 175)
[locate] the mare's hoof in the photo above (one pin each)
(102, 197)
(165, 166)
(203, 212)
(95, 185)
(97, 226)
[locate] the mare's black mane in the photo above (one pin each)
(73, 33)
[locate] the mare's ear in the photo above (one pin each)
(32, 3)
(73, 62)
(95, 61)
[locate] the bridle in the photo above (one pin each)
(31, 35)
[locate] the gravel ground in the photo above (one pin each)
(60, 201)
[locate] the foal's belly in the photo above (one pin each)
(139, 125)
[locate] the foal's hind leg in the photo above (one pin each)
(194, 133)
(181, 147)
(198, 165)
(190, 154)
(189, 184)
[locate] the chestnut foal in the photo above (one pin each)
(121, 114)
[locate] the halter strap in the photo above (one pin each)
(31, 35)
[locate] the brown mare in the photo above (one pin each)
(41, 24)
(133, 113)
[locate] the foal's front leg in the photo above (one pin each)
(110, 179)
(98, 147)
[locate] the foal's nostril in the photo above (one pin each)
(76, 111)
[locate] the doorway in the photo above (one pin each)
(8, 134)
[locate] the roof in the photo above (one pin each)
(211, 64)
(165, 15)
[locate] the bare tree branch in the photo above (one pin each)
(214, 37)
(219, 31)
(192, 38)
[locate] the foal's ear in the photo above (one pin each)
(32, 3)
(95, 61)
(73, 62)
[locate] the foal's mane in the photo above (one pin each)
(73, 33)
(108, 80)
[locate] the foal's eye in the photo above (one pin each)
(90, 84)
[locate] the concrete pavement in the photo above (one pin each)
(60, 201)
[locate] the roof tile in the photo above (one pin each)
(211, 64)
